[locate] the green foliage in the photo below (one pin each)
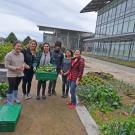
(103, 97)
(26, 41)
(126, 127)
(46, 68)
(91, 80)
(4, 49)
(3, 89)
(97, 93)
(11, 38)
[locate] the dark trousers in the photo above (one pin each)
(13, 84)
(52, 84)
(27, 79)
(65, 85)
(43, 84)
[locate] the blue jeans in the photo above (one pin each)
(72, 85)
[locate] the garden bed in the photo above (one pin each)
(109, 101)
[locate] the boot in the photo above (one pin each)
(9, 99)
(16, 99)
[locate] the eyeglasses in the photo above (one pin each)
(46, 46)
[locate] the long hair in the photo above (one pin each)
(69, 51)
(33, 41)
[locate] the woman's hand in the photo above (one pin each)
(61, 72)
(27, 66)
(77, 81)
(34, 69)
(20, 68)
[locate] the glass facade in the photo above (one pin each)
(121, 50)
(115, 19)
(69, 39)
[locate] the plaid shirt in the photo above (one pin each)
(76, 69)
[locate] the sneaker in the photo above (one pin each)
(69, 103)
(66, 95)
(54, 93)
(17, 101)
(27, 97)
(49, 94)
(62, 95)
(72, 106)
(44, 97)
(38, 98)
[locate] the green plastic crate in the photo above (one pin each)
(46, 75)
(9, 115)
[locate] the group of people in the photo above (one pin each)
(21, 64)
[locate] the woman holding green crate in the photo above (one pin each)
(43, 58)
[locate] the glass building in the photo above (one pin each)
(115, 28)
(70, 39)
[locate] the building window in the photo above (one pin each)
(123, 7)
(118, 10)
(131, 26)
(125, 25)
(129, 5)
(121, 49)
(133, 51)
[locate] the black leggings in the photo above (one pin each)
(26, 84)
(65, 85)
(43, 84)
(13, 84)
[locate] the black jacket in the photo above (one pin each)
(58, 59)
(28, 57)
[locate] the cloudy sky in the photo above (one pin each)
(23, 16)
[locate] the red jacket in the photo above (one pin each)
(76, 69)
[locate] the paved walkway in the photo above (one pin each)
(48, 117)
(120, 72)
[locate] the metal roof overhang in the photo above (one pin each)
(125, 37)
(51, 28)
(95, 5)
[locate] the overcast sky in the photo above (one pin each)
(23, 16)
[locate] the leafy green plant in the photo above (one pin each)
(126, 127)
(102, 96)
(4, 49)
(3, 89)
(91, 80)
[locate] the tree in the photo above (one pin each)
(26, 40)
(11, 38)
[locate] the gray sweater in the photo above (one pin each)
(66, 64)
(13, 60)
